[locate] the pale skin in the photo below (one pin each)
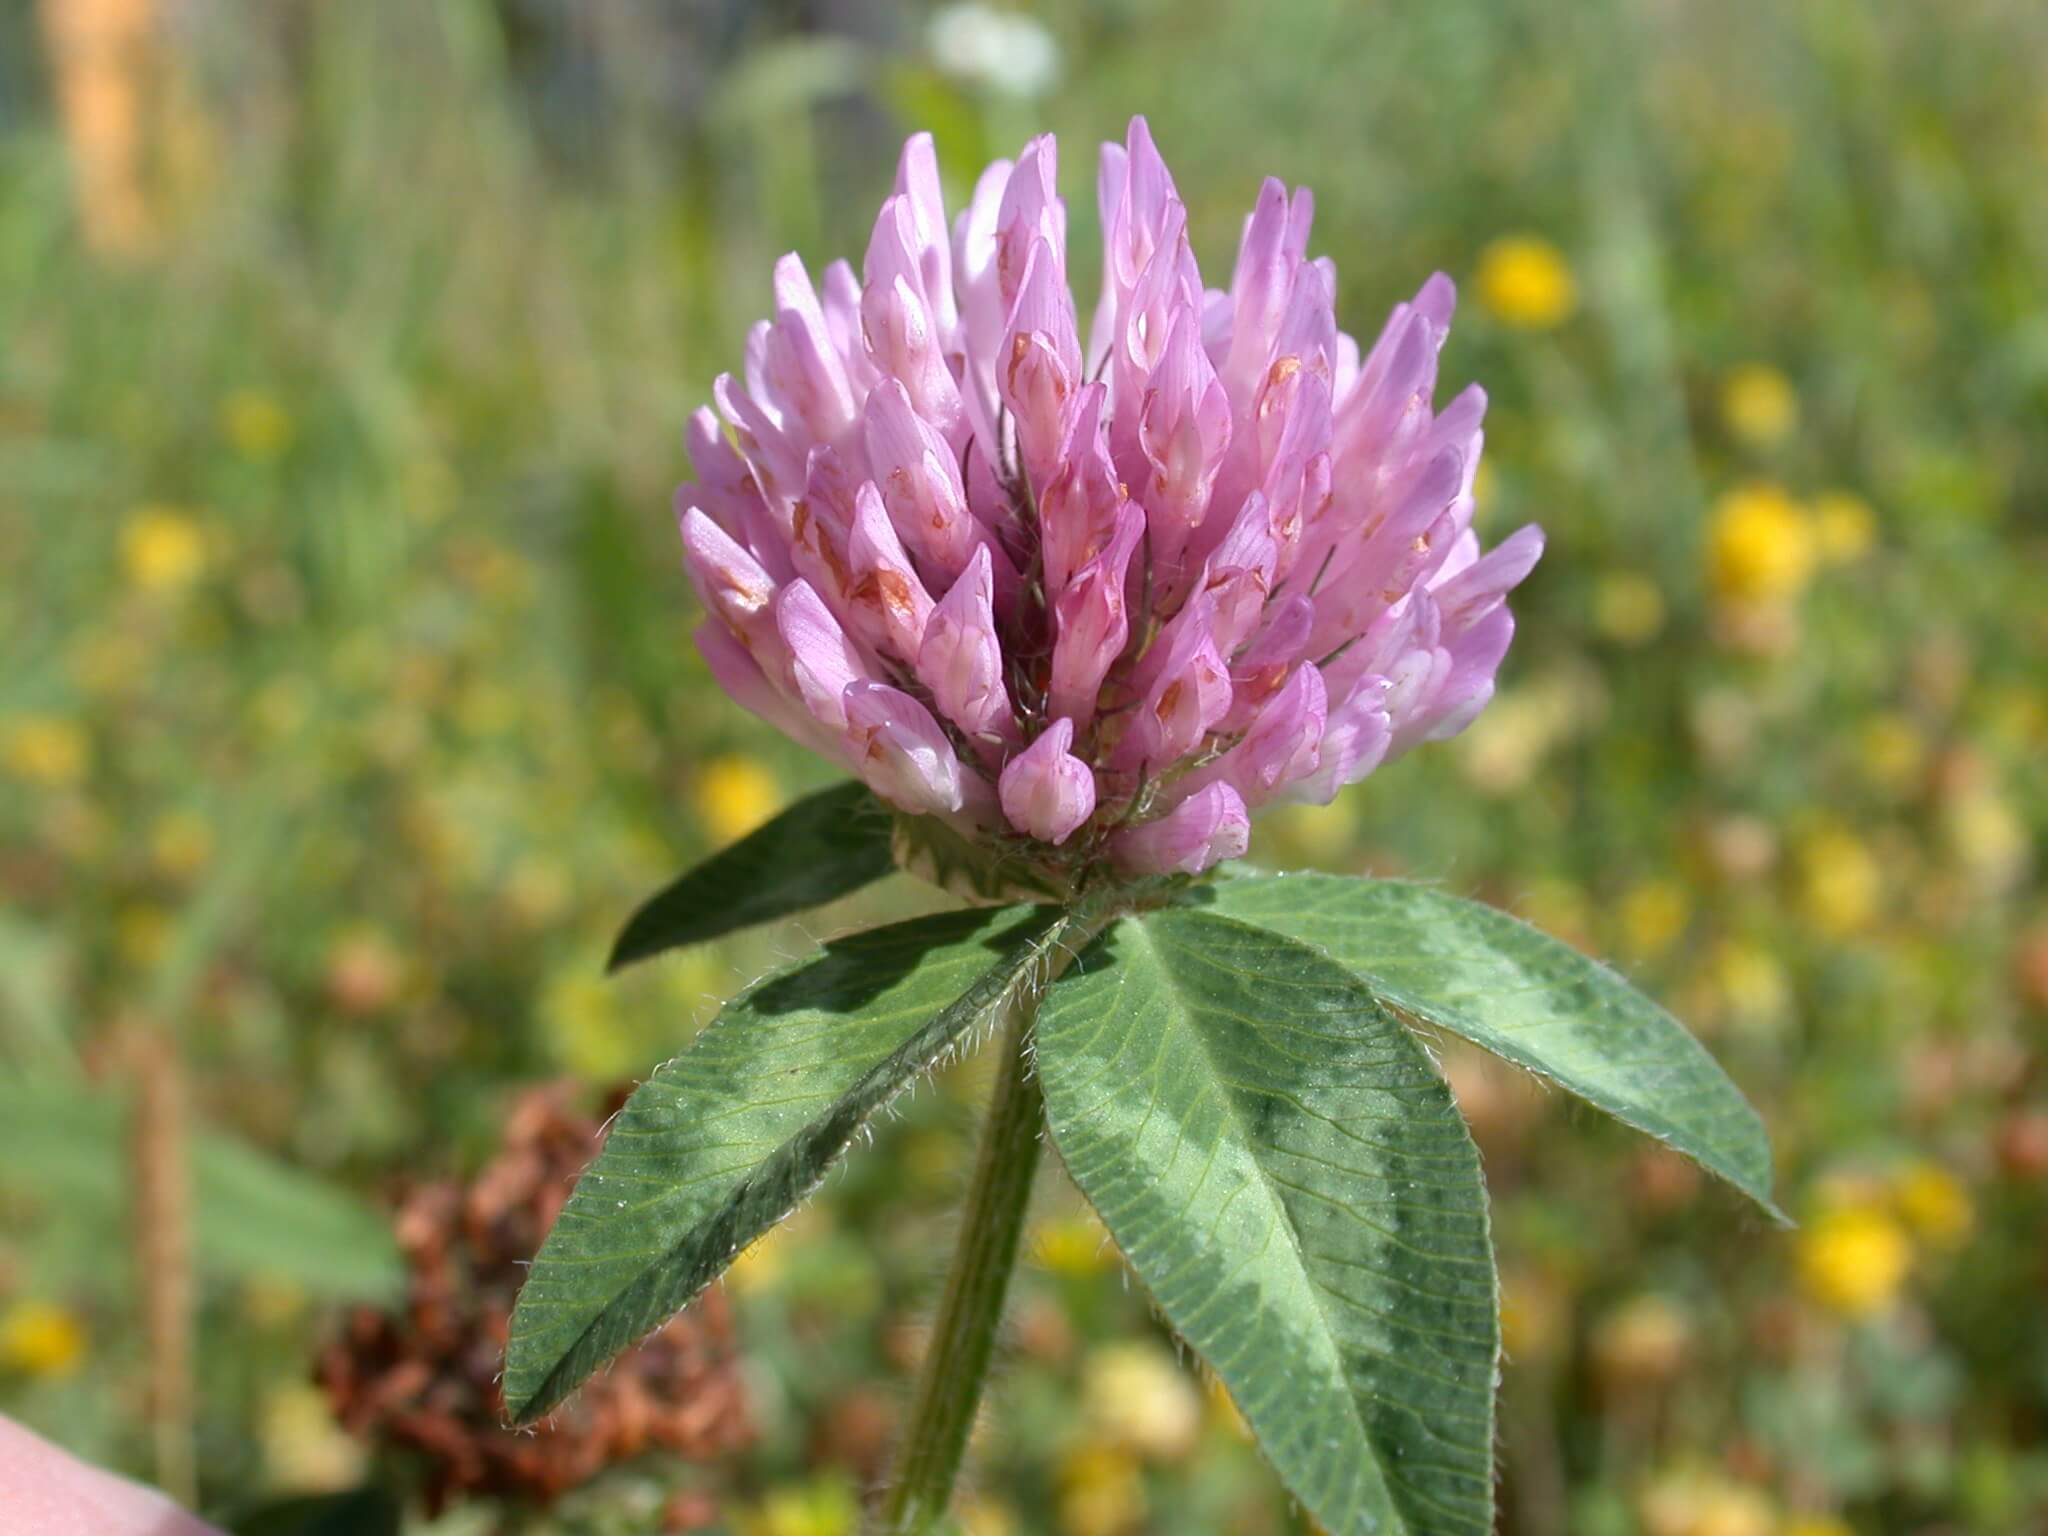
(49, 1492)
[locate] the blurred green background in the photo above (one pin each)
(347, 705)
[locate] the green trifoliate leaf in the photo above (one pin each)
(721, 1143)
(827, 845)
(1480, 973)
(1282, 1166)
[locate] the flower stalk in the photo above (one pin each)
(971, 1308)
(964, 1332)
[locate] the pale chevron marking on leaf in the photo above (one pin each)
(1205, 1084)
(1479, 973)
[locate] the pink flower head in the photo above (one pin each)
(1094, 608)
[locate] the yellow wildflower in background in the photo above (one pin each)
(142, 931)
(826, 1507)
(1840, 883)
(1136, 1395)
(256, 426)
(47, 750)
(1817, 1525)
(1223, 1410)
(1987, 837)
(1526, 282)
(1854, 1259)
(1698, 1504)
(980, 1515)
(1535, 1315)
(163, 550)
(1507, 745)
(762, 1263)
(304, 1448)
(586, 1029)
(180, 844)
(1628, 607)
(1643, 1342)
(1102, 1492)
(734, 795)
(1892, 751)
(1844, 527)
(1759, 404)
(1935, 1205)
(756, 1267)
(1751, 985)
(1653, 914)
(1760, 545)
(42, 1339)
(1072, 1245)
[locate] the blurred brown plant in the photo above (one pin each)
(101, 53)
(424, 1379)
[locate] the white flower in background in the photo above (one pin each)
(998, 50)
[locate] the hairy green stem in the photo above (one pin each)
(964, 1332)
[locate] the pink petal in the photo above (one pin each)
(1284, 742)
(961, 660)
(1031, 214)
(1183, 432)
(1077, 511)
(1089, 622)
(1476, 655)
(1040, 367)
(1046, 791)
(904, 345)
(805, 373)
(822, 660)
(1479, 588)
(920, 482)
(750, 684)
(1238, 575)
(730, 582)
(1190, 693)
(899, 751)
(1356, 737)
(1207, 827)
(841, 301)
(726, 484)
(917, 183)
(983, 307)
(776, 462)
(885, 598)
